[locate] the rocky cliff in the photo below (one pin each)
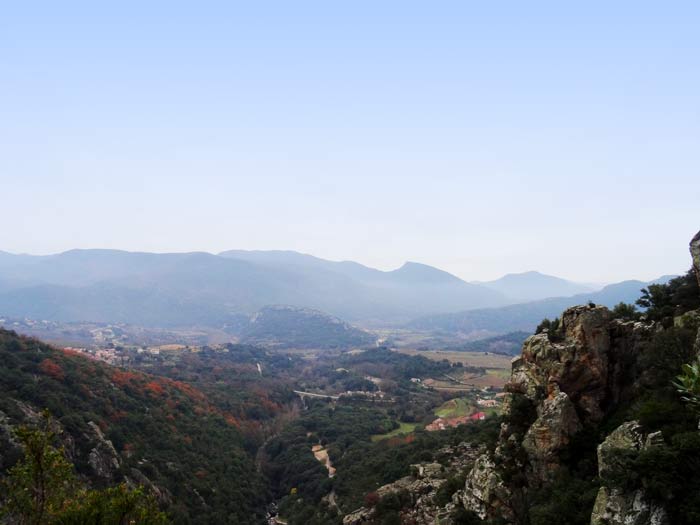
(419, 493)
(695, 254)
(561, 383)
(616, 506)
(565, 388)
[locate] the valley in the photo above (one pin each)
(328, 423)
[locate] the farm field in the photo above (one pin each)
(404, 428)
(497, 369)
(457, 407)
(480, 359)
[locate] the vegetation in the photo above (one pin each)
(664, 301)
(167, 413)
(363, 464)
(288, 327)
(626, 311)
(506, 344)
(42, 489)
(552, 328)
(688, 385)
(164, 428)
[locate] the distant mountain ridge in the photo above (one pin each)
(201, 288)
(526, 316)
(532, 285)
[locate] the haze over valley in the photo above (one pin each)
(349, 263)
(224, 294)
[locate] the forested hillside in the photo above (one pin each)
(127, 425)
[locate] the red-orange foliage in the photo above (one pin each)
(231, 420)
(51, 368)
(155, 388)
(73, 353)
(124, 377)
(201, 474)
(189, 390)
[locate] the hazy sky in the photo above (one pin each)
(480, 137)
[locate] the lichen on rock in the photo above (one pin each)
(551, 433)
(620, 506)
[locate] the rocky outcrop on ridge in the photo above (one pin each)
(103, 458)
(571, 378)
(562, 383)
(616, 506)
(695, 254)
(421, 489)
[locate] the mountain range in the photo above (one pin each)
(531, 286)
(188, 289)
(526, 316)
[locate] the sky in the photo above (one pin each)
(479, 137)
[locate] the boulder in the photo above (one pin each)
(103, 457)
(10, 448)
(556, 423)
(695, 254)
(613, 505)
(485, 493)
(590, 364)
(573, 377)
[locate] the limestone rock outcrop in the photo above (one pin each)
(695, 254)
(573, 377)
(588, 364)
(10, 448)
(485, 492)
(616, 506)
(103, 457)
(556, 424)
(422, 487)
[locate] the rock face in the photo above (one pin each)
(485, 492)
(10, 449)
(563, 382)
(695, 254)
(422, 487)
(588, 364)
(615, 506)
(556, 424)
(572, 378)
(103, 458)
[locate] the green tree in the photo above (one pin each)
(626, 311)
(688, 385)
(41, 484)
(663, 301)
(41, 489)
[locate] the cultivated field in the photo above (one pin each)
(480, 359)
(497, 369)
